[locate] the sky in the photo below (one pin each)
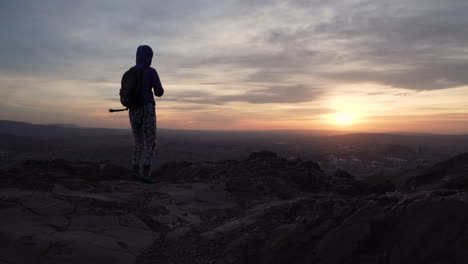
(348, 65)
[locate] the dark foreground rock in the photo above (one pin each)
(264, 209)
(450, 174)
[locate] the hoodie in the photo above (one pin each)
(151, 80)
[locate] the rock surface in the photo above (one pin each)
(264, 209)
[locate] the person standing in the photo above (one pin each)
(143, 117)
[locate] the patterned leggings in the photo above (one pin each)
(143, 121)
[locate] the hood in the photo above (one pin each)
(144, 55)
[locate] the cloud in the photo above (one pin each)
(403, 44)
(90, 40)
(424, 77)
(229, 53)
(74, 40)
(274, 94)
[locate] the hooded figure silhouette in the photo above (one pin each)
(143, 118)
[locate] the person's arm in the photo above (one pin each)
(157, 86)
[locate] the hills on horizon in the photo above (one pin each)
(376, 155)
(5, 123)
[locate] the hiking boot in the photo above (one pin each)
(147, 175)
(135, 173)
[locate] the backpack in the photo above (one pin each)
(130, 95)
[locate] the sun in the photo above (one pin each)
(344, 118)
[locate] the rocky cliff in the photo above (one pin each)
(263, 209)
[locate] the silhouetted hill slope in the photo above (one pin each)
(452, 174)
(20, 136)
(260, 209)
(20, 141)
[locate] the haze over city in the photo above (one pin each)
(355, 66)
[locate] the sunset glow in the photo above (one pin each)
(242, 65)
(344, 118)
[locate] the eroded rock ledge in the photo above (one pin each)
(264, 209)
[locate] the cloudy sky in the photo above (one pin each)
(376, 65)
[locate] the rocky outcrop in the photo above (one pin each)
(451, 174)
(264, 209)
